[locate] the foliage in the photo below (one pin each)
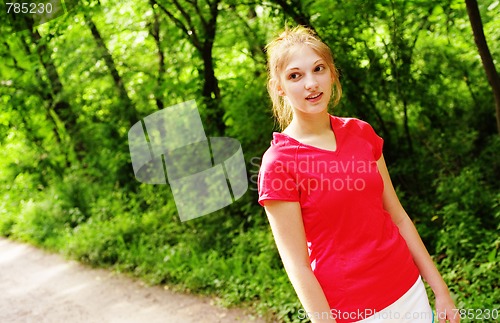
(71, 88)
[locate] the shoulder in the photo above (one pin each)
(359, 130)
(282, 149)
(276, 179)
(353, 124)
(356, 126)
(281, 155)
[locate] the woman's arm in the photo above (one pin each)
(444, 304)
(286, 223)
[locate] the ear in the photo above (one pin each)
(280, 91)
(273, 83)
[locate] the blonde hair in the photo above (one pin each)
(278, 53)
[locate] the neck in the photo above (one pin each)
(309, 124)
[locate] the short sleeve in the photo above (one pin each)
(376, 142)
(276, 180)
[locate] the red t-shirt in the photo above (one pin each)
(356, 251)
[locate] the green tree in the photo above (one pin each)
(484, 52)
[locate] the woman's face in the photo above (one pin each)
(306, 82)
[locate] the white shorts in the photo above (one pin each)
(412, 307)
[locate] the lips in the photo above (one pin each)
(314, 97)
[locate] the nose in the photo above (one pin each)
(311, 83)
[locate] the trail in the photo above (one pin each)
(36, 286)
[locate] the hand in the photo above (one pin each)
(446, 310)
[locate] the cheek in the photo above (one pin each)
(327, 78)
(295, 87)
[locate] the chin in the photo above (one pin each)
(313, 110)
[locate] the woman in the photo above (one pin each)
(349, 248)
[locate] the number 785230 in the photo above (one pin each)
(28, 7)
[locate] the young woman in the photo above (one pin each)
(347, 245)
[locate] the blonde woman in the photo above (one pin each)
(347, 245)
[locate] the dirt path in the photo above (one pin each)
(39, 287)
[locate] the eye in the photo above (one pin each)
(319, 68)
(293, 76)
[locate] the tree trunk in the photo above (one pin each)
(211, 93)
(202, 37)
(211, 90)
(484, 52)
(155, 32)
(58, 110)
(128, 106)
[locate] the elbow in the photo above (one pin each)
(398, 215)
(403, 222)
(297, 269)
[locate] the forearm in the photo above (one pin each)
(310, 294)
(421, 257)
(428, 271)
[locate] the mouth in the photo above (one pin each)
(314, 97)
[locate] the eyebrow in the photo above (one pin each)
(296, 68)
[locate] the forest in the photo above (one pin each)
(74, 81)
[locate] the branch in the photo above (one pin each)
(190, 33)
(184, 13)
(249, 36)
(192, 29)
(198, 11)
(294, 11)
